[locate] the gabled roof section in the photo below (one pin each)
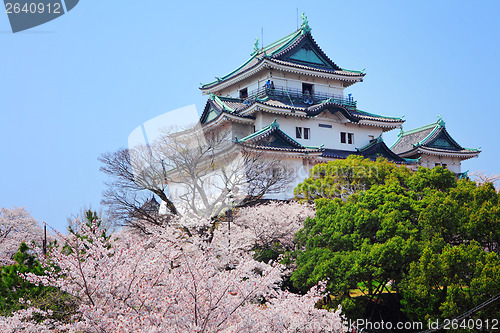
(333, 108)
(216, 105)
(377, 148)
(298, 49)
(150, 207)
(305, 51)
(271, 137)
(355, 116)
(374, 149)
(433, 137)
(222, 105)
(255, 58)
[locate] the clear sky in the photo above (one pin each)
(77, 86)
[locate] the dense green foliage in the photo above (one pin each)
(422, 238)
(16, 293)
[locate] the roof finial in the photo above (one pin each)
(440, 121)
(401, 132)
(255, 47)
(305, 25)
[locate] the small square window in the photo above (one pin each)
(307, 88)
(244, 93)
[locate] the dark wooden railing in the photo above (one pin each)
(296, 96)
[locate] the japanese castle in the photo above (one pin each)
(288, 100)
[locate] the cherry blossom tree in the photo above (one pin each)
(481, 177)
(171, 282)
(264, 226)
(16, 226)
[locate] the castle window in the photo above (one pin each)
(307, 133)
(302, 133)
(307, 89)
(347, 138)
(244, 93)
(325, 125)
(298, 132)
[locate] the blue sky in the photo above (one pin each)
(77, 86)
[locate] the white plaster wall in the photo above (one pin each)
(329, 137)
(259, 121)
(320, 84)
(286, 192)
(452, 163)
(283, 79)
(241, 130)
(252, 83)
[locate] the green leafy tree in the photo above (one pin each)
(368, 245)
(341, 178)
(451, 282)
(16, 293)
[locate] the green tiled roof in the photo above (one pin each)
(275, 126)
(272, 48)
(289, 51)
(220, 102)
(433, 136)
(272, 125)
(377, 115)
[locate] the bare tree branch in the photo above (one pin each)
(193, 173)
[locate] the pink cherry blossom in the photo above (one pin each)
(172, 281)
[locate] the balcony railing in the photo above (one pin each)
(297, 98)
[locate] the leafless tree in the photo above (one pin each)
(193, 173)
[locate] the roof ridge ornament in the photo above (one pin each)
(440, 121)
(275, 124)
(255, 47)
(305, 24)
